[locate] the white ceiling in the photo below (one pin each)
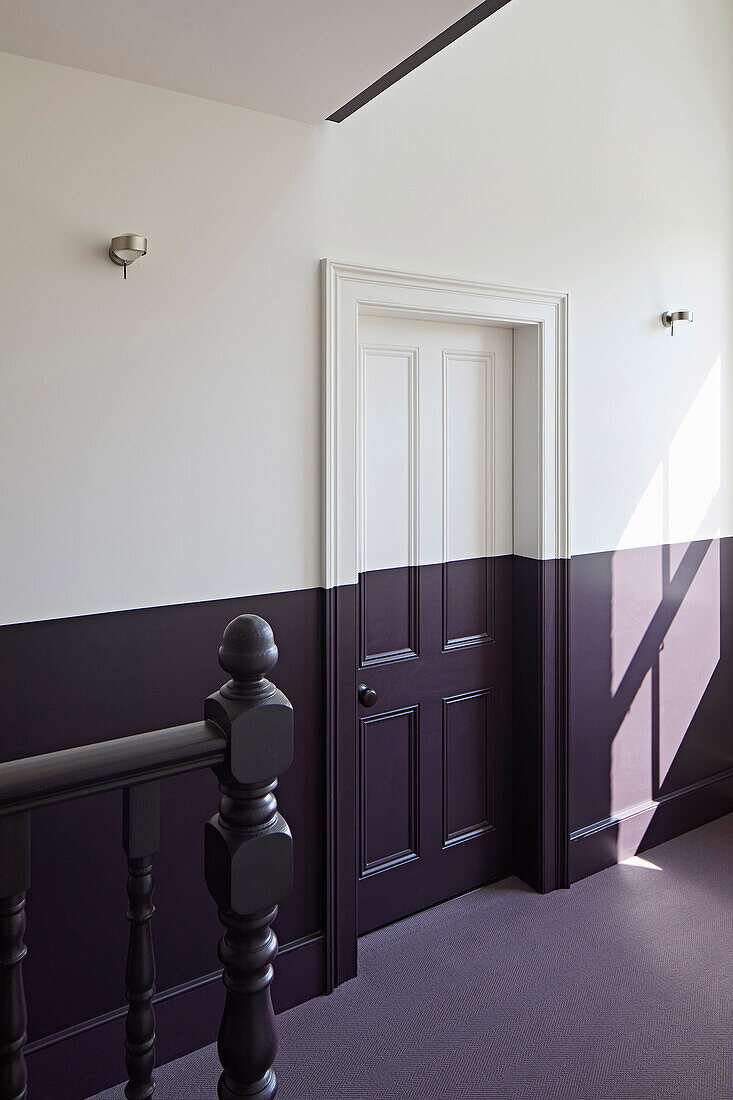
(301, 59)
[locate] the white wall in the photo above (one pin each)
(160, 437)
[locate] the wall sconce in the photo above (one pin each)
(126, 249)
(675, 317)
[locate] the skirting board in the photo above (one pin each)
(89, 1058)
(609, 842)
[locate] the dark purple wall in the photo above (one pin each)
(540, 722)
(651, 696)
(71, 681)
(651, 693)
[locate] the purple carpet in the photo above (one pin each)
(621, 987)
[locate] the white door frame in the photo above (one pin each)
(541, 534)
(350, 289)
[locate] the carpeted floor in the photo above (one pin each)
(621, 987)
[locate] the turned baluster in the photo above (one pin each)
(248, 853)
(14, 884)
(140, 838)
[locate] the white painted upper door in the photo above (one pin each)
(434, 538)
(435, 442)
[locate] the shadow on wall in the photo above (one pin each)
(652, 660)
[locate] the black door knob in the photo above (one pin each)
(367, 696)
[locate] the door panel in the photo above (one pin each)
(389, 770)
(388, 461)
(388, 615)
(468, 765)
(468, 602)
(467, 477)
(435, 612)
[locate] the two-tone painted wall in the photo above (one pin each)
(161, 437)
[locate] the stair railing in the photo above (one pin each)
(246, 736)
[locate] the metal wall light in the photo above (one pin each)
(675, 317)
(126, 249)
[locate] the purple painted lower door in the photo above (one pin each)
(434, 751)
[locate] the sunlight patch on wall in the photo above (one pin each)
(636, 579)
(665, 605)
(631, 831)
(679, 502)
(646, 525)
(689, 656)
(637, 588)
(631, 761)
(693, 467)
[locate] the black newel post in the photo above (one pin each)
(14, 884)
(140, 839)
(249, 853)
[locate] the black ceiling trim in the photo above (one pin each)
(466, 23)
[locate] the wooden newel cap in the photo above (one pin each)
(248, 649)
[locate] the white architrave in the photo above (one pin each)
(351, 289)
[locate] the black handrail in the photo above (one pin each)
(247, 738)
(74, 773)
